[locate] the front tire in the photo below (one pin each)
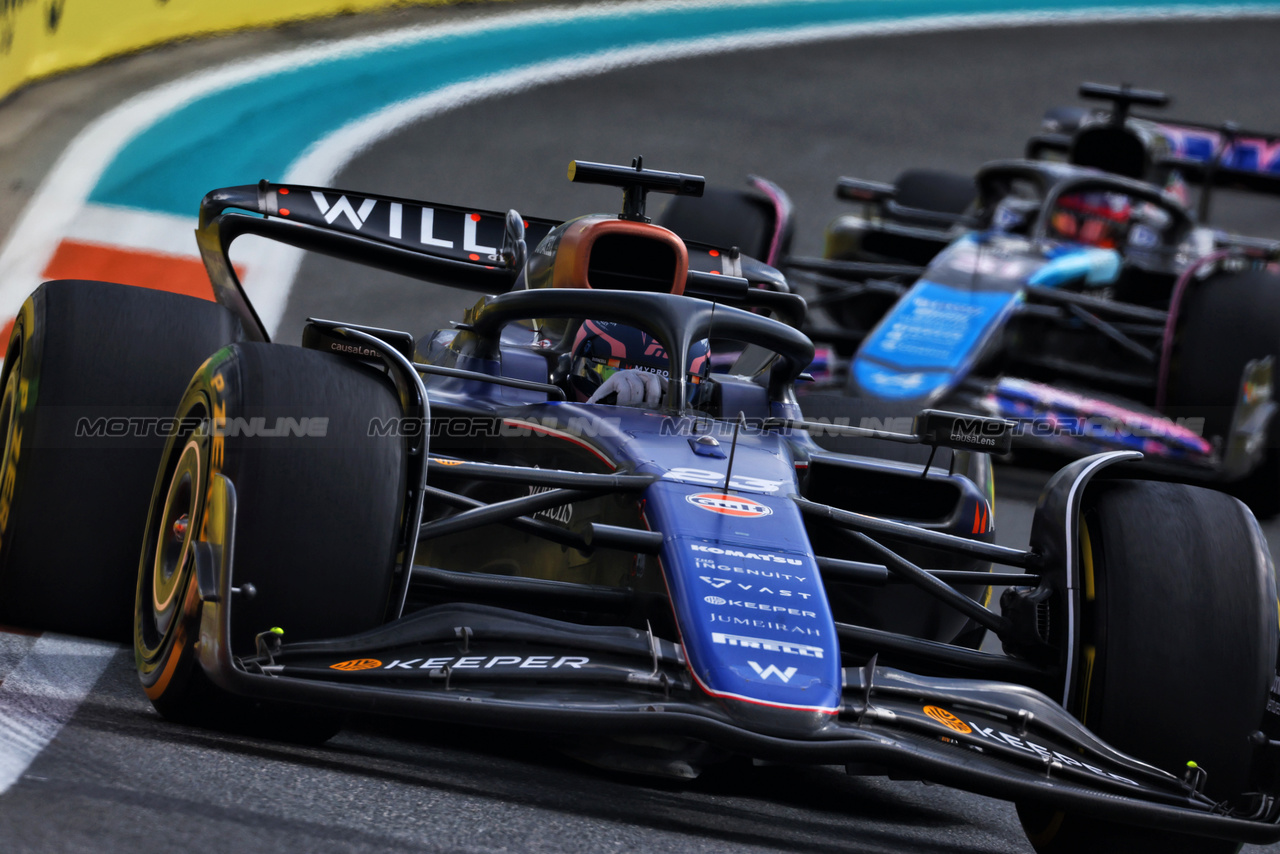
(1178, 613)
(319, 508)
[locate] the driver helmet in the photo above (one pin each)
(1092, 219)
(1015, 215)
(602, 348)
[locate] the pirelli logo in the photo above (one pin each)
(767, 645)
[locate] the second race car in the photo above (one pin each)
(1085, 300)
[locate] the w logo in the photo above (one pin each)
(772, 670)
(343, 207)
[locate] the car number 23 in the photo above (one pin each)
(702, 477)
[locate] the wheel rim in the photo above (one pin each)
(174, 536)
(173, 527)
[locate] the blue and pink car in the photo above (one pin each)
(1077, 293)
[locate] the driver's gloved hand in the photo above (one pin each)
(633, 388)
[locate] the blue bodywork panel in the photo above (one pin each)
(1096, 267)
(926, 343)
(752, 610)
(933, 336)
(754, 618)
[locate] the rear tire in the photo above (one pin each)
(1160, 558)
(73, 503)
(1224, 323)
(724, 218)
(934, 190)
(319, 511)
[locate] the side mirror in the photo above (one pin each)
(964, 432)
(870, 192)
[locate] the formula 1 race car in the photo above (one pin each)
(443, 530)
(1078, 299)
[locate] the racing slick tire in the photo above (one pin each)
(1224, 323)
(1156, 560)
(724, 217)
(933, 190)
(89, 368)
(319, 498)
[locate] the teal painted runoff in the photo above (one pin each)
(257, 129)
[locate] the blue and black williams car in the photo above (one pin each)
(436, 529)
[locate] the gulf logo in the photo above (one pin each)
(728, 505)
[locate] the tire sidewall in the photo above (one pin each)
(1148, 682)
(98, 367)
(25, 348)
(1224, 322)
(295, 588)
(165, 660)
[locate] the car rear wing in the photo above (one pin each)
(1221, 155)
(472, 249)
(881, 198)
(477, 250)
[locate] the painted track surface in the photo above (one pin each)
(118, 779)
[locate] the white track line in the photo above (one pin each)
(52, 211)
(41, 694)
(130, 228)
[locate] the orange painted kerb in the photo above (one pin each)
(174, 273)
